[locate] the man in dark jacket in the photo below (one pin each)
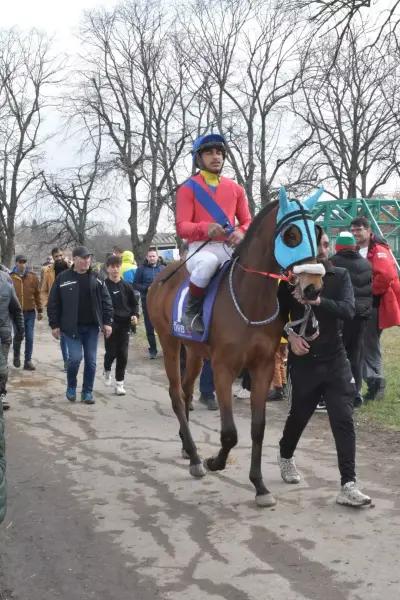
(144, 277)
(359, 268)
(318, 366)
(126, 309)
(79, 304)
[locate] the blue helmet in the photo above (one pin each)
(204, 142)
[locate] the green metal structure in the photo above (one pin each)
(384, 216)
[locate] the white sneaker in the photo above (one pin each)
(119, 388)
(289, 473)
(350, 495)
(242, 394)
(107, 377)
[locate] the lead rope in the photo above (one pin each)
(235, 302)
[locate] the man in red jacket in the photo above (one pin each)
(208, 207)
(386, 302)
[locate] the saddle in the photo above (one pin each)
(179, 306)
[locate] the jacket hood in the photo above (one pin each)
(128, 258)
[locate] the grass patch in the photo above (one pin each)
(387, 411)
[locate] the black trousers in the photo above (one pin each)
(311, 379)
(353, 339)
(151, 338)
(116, 347)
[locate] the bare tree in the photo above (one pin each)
(247, 54)
(134, 83)
(352, 104)
(77, 195)
(26, 73)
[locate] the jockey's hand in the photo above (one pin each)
(298, 345)
(236, 237)
(215, 230)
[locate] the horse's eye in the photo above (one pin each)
(292, 236)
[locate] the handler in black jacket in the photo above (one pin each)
(360, 272)
(126, 310)
(319, 367)
(79, 304)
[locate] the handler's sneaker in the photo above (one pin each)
(107, 377)
(119, 388)
(289, 473)
(349, 495)
(242, 394)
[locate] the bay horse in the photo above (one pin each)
(245, 329)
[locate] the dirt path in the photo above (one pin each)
(102, 506)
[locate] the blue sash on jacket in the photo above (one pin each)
(205, 199)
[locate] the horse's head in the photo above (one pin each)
(296, 244)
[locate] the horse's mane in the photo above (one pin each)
(253, 227)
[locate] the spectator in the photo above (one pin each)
(79, 303)
(126, 309)
(145, 276)
(27, 288)
(353, 330)
(385, 304)
(3, 487)
(207, 389)
(279, 378)
(117, 251)
(318, 367)
(128, 267)
(49, 275)
(10, 312)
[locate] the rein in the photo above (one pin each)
(236, 303)
(265, 273)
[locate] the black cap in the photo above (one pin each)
(81, 251)
(21, 258)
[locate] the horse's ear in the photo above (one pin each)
(312, 200)
(283, 201)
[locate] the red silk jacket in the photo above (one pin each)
(385, 284)
(192, 220)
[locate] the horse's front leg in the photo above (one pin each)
(260, 382)
(223, 386)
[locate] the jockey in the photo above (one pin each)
(208, 207)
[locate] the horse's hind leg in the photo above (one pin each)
(193, 367)
(223, 385)
(171, 350)
(260, 380)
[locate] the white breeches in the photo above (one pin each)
(204, 264)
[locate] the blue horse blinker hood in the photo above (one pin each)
(298, 214)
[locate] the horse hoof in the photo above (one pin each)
(209, 464)
(265, 500)
(185, 454)
(197, 470)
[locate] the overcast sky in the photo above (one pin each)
(54, 16)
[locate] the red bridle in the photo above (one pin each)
(281, 276)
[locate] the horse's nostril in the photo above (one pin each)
(311, 292)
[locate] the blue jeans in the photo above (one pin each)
(64, 347)
(87, 340)
(151, 338)
(207, 388)
(29, 322)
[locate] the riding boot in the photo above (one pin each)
(192, 319)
